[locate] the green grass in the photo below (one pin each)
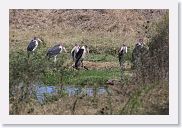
(92, 77)
(85, 77)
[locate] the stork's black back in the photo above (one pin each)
(78, 57)
(121, 52)
(79, 54)
(54, 51)
(31, 45)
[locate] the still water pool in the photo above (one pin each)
(41, 91)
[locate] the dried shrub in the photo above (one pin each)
(153, 62)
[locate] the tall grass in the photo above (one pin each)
(149, 99)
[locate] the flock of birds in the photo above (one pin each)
(77, 53)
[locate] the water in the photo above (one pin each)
(41, 91)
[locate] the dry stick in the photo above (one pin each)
(73, 108)
(125, 106)
(109, 100)
(85, 67)
(74, 105)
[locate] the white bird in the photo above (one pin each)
(56, 50)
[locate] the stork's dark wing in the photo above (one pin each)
(121, 52)
(78, 57)
(79, 54)
(53, 51)
(31, 45)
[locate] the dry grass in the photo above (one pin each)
(97, 28)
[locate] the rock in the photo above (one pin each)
(111, 82)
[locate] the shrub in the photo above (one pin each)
(154, 63)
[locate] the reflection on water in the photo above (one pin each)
(41, 91)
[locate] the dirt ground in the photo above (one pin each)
(101, 65)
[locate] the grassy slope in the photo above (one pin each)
(98, 29)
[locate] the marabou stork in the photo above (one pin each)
(123, 49)
(74, 51)
(33, 45)
(138, 53)
(122, 52)
(80, 56)
(140, 43)
(55, 50)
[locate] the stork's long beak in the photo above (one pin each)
(65, 49)
(39, 40)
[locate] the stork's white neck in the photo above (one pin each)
(83, 47)
(60, 46)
